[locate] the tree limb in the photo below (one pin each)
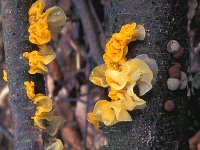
(153, 127)
(82, 8)
(15, 33)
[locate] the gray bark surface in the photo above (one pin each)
(15, 34)
(153, 127)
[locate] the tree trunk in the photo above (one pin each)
(15, 33)
(153, 127)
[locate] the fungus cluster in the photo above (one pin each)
(121, 76)
(178, 78)
(42, 24)
(175, 49)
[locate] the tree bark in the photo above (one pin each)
(153, 127)
(15, 34)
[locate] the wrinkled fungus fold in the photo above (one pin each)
(43, 23)
(121, 76)
(43, 104)
(39, 59)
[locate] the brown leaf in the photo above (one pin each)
(194, 141)
(71, 136)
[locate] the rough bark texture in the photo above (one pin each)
(153, 127)
(15, 33)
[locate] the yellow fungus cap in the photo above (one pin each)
(54, 125)
(152, 65)
(56, 18)
(97, 76)
(115, 111)
(40, 34)
(53, 144)
(39, 119)
(92, 119)
(30, 91)
(103, 112)
(38, 30)
(41, 24)
(109, 113)
(36, 9)
(133, 32)
(5, 76)
(131, 102)
(38, 59)
(113, 94)
(133, 72)
(44, 104)
(116, 48)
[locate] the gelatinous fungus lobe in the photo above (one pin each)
(121, 76)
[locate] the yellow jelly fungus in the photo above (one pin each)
(39, 119)
(42, 24)
(36, 9)
(134, 71)
(30, 89)
(56, 19)
(44, 104)
(122, 75)
(97, 76)
(53, 144)
(152, 65)
(116, 48)
(38, 60)
(5, 77)
(93, 120)
(113, 94)
(109, 113)
(38, 30)
(54, 125)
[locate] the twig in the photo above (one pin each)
(94, 14)
(6, 133)
(85, 132)
(64, 100)
(3, 94)
(76, 49)
(83, 11)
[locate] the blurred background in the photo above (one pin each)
(78, 46)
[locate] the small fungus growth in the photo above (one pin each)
(38, 29)
(178, 79)
(42, 24)
(43, 118)
(38, 59)
(121, 76)
(5, 77)
(40, 113)
(117, 47)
